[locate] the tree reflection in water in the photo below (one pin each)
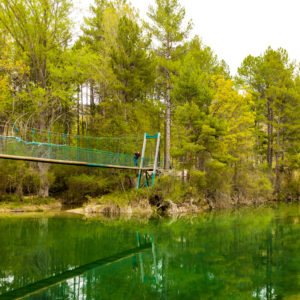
(246, 254)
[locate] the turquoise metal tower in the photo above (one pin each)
(145, 173)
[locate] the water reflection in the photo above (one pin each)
(249, 254)
(65, 276)
(122, 280)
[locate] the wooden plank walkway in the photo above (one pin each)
(73, 163)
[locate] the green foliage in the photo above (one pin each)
(115, 198)
(132, 62)
(273, 79)
(79, 186)
(231, 139)
(167, 27)
(40, 31)
(18, 177)
(175, 189)
(76, 185)
(168, 17)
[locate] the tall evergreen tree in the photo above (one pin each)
(271, 76)
(167, 27)
(132, 63)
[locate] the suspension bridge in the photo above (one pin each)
(30, 144)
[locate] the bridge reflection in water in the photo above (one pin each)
(88, 281)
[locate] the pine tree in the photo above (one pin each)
(167, 27)
(271, 76)
(132, 63)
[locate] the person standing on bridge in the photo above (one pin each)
(136, 158)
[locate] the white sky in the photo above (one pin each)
(237, 28)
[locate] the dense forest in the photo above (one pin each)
(227, 140)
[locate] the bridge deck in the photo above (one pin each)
(73, 163)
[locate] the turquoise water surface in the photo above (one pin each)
(251, 253)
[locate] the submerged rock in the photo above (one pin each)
(17, 210)
(108, 209)
(171, 208)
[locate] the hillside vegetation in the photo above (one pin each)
(227, 140)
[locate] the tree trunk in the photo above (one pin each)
(271, 128)
(269, 140)
(201, 162)
(42, 167)
(165, 141)
(92, 100)
(168, 123)
(87, 100)
(270, 134)
(82, 110)
(78, 111)
(277, 179)
(92, 104)
(125, 113)
(258, 157)
(103, 100)
(125, 107)
(19, 190)
(44, 182)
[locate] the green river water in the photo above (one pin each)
(251, 253)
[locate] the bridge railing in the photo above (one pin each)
(33, 143)
(108, 143)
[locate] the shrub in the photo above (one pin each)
(81, 186)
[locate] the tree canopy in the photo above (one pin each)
(226, 138)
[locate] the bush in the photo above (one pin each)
(81, 186)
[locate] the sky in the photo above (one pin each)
(236, 28)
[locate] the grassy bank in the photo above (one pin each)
(13, 204)
(171, 194)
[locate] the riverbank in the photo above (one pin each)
(31, 205)
(171, 195)
(94, 206)
(141, 203)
